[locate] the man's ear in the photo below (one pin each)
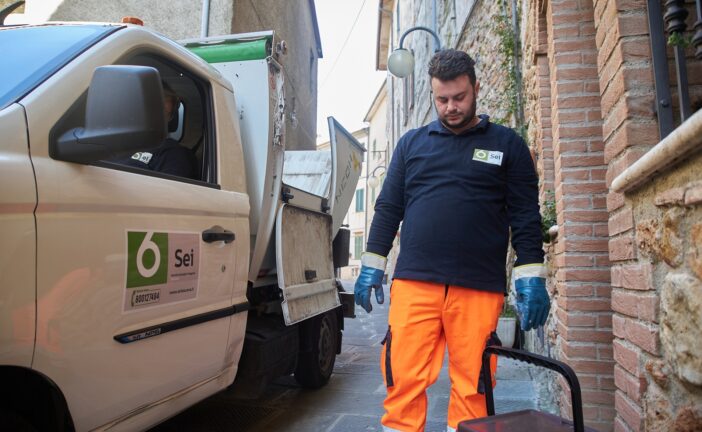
(476, 88)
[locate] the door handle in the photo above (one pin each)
(217, 233)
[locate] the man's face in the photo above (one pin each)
(455, 102)
(169, 106)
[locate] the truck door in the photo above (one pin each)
(139, 270)
(17, 254)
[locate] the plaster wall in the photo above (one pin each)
(378, 161)
(292, 22)
(177, 19)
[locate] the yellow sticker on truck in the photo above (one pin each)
(162, 268)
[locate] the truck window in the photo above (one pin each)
(32, 54)
(188, 152)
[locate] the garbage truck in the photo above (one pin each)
(130, 293)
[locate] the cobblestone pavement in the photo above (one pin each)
(351, 401)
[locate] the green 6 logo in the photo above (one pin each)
(480, 155)
(147, 258)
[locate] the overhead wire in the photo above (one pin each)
(343, 46)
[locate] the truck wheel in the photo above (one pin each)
(315, 365)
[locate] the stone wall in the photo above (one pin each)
(413, 105)
(654, 239)
(658, 304)
(481, 39)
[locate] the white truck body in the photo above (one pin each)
(308, 179)
(121, 341)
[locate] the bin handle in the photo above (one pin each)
(537, 360)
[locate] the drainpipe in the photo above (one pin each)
(434, 24)
(391, 85)
(517, 65)
(205, 20)
(365, 190)
(435, 28)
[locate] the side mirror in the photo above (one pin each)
(123, 115)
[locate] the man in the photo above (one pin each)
(169, 157)
(458, 185)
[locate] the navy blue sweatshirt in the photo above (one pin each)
(457, 196)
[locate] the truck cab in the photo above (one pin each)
(129, 293)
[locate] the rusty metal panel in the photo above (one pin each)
(304, 260)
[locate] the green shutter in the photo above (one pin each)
(357, 246)
(359, 200)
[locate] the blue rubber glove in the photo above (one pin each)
(371, 277)
(533, 303)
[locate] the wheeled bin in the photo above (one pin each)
(527, 420)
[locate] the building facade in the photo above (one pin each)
(379, 156)
(620, 173)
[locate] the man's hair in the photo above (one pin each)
(448, 64)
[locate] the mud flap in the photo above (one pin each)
(492, 340)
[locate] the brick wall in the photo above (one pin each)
(537, 97)
(582, 289)
(563, 107)
(629, 130)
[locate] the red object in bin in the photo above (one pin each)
(527, 420)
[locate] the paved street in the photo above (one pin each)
(351, 402)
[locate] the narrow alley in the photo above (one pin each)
(351, 401)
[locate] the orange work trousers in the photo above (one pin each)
(424, 317)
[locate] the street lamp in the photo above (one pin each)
(401, 61)
(374, 181)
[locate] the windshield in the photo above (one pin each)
(32, 54)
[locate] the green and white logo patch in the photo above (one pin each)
(491, 157)
(162, 268)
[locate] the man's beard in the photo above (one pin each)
(465, 121)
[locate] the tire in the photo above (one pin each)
(315, 364)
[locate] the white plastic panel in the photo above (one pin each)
(347, 163)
